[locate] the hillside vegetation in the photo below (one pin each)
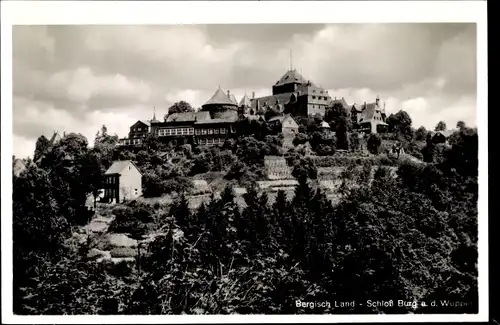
(406, 232)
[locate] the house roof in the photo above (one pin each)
(148, 123)
(233, 99)
(219, 98)
(55, 138)
(118, 166)
(281, 118)
(188, 116)
(19, 167)
(291, 76)
(325, 125)
(245, 101)
(270, 100)
(447, 133)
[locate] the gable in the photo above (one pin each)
(289, 122)
(120, 165)
(139, 123)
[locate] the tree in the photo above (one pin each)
(180, 107)
(305, 168)
(337, 113)
(461, 125)
(373, 143)
(41, 147)
(300, 138)
(341, 133)
(441, 126)
(421, 133)
(354, 141)
(400, 123)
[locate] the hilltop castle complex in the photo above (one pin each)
(216, 120)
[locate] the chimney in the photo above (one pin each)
(253, 94)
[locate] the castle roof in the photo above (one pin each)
(233, 99)
(219, 98)
(291, 76)
(188, 116)
(245, 101)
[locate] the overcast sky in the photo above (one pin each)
(77, 78)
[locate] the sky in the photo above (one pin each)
(77, 78)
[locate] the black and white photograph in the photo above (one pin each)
(277, 168)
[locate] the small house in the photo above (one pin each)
(286, 123)
(123, 181)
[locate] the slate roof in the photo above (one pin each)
(291, 76)
(281, 118)
(245, 101)
(219, 98)
(270, 100)
(233, 99)
(118, 166)
(188, 116)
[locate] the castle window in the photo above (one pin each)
(202, 141)
(191, 131)
(216, 131)
(313, 97)
(138, 129)
(211, 131)
(203, 131)
(197, 131)
(222, 131)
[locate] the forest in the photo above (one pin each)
(412, 236)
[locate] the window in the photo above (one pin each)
(211, 131)
(222, 131)
(210, 141)
(202, 141)
(216, 131)
(197, 131)
(138, 129)
(204, 131)
(314, 97)
(191, 131)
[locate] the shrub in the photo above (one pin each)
(300, 138)
(374, 143)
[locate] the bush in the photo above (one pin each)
(305, 167)
(300, 138)
(374, 143)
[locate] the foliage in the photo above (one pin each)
(410, 236)
(441, 126)
(373, 143)
(341, 133)
(322, 143)
(400, 123)
(41, 147)
(305, 167)
(354, 142)
(300, 138)
(421, 133)
(180, 107)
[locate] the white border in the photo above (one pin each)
(104, 12)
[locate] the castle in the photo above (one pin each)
(216, 120)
